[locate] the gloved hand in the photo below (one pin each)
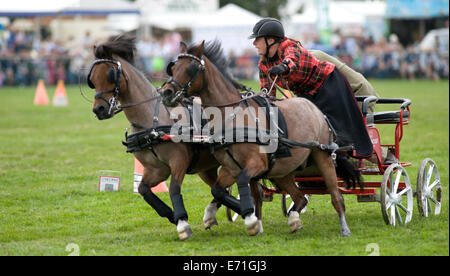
(279, 69)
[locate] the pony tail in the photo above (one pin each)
(348, 172)
(346, 169)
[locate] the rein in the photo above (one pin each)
(121, 107)
(264, 93)
(277, 87)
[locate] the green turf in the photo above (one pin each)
(49, 200)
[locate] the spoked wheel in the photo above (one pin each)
(429, 188)
(231, 215)
(396, 196)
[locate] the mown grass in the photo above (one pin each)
(49, 163)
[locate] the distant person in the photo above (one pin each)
(87, 40)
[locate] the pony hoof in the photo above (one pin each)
(210, 223)
(346, 233)
(253, 225)
(296, 225)
(294, 222)
(254, 229)
(184, 230)
(186, 234)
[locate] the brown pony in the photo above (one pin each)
(116, 80)
(197, 72)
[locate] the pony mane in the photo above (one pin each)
(214, 52)
(123, 46)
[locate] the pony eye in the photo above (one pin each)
(169, 68)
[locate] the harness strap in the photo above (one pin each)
(227, 150)
(155, 116)
(194, 159)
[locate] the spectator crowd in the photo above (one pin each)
(24, 59)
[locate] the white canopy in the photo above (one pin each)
(54, 7)
(32, 8)
(231, 25)
(229, 15)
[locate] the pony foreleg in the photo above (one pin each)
(157, 204)
(242, 181)
(247, 208)
(180, 213)
(225, 180)
(177, 203)
(223, 197)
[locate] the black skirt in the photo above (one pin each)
(335, 99)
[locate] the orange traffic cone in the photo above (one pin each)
(139, 172)
(60, 97)
(41, 97)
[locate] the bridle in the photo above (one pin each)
(114, 76)
(196, 66)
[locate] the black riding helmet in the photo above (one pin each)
(268, 27)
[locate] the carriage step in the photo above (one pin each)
(369, 198)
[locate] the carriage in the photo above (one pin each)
(394, 192)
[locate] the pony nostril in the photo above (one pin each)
(99, 109)
(167, 92)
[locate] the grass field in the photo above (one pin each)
(50, 205)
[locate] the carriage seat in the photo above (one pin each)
(389, 117)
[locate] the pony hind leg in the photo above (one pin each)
(209, 217)
(326, 167)
(287, 184)
(256, 191)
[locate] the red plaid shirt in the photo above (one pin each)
(306, 73)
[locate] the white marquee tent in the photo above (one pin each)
(28, 8)
(231, 25)
(33, 8)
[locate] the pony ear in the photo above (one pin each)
(199, 50)
(183, 47)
